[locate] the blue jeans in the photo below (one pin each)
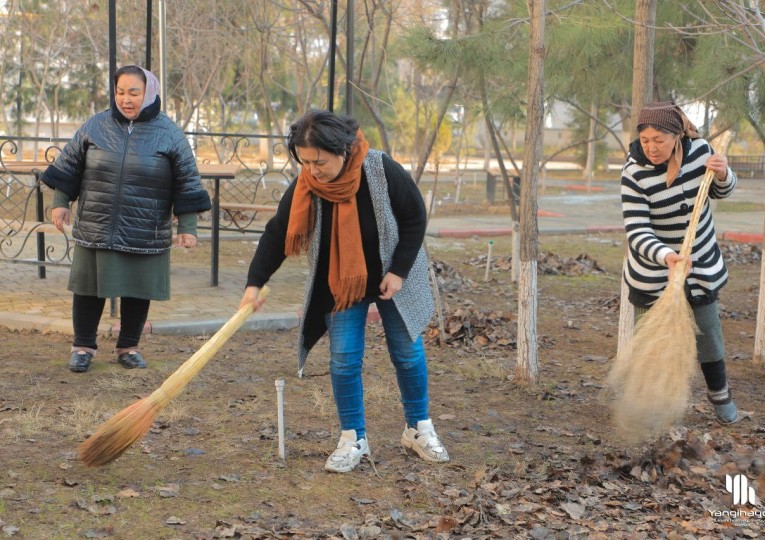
(346, 346)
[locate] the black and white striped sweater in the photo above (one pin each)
(656, 218)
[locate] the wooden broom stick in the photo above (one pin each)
(650, 380)
(116, 435)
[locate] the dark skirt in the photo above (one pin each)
(113, 274)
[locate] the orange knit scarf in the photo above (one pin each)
(347, 266)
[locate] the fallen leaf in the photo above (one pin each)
(170, 490)
(229, 477)
(575, 510)
(446, 524)
(98, 533)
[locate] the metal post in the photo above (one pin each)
(40, 219)
(215, 231)
(279, 383)
(332, 47)
(488, 262)
(349, 58)
(112, 46)
(162, 55)
(147, 65)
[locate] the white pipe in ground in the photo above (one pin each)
(279, 383)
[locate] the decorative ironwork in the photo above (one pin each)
(259, 181)
(23, 211)
(264, 172)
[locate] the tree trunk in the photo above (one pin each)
(428, 146)
(589, 168)
(759, 337)
(497, 152)
(642, 66)
(642, 90)
(527, 368)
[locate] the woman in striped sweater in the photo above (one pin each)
(659, 185)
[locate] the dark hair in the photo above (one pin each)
(129, 70)
(324, 130)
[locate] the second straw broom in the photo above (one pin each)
(129, 425)
(650, 380)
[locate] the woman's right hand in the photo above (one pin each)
(673, 260)
(252, 297)
(61, 216)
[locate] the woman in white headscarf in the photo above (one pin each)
(130, 168)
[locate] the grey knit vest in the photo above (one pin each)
(414, 301)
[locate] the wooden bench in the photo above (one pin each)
(243, 207)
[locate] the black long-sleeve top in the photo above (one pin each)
(407, 206)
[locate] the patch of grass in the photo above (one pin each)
(117, 382)
(478, 366)
(175, 411)
(743, 206)
(85, 416)
(322, 402)
(30, 422)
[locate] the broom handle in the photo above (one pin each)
(698, 205)
(175, 383)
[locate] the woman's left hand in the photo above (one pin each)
(390, 285)
(718, 164)
(185, 240)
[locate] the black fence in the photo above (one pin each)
(748, 166)
(264, 170)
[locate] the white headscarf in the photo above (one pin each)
(152, 89)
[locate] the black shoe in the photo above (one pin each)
(131, 360)
(80, 361)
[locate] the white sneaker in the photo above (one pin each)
(348, 453)
(424, 441)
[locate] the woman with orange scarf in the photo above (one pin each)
(361, 220)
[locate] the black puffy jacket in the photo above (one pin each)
(128, 180)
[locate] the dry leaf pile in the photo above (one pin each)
(601, 493)
(449, 280)
(736, 253)
(472, 328)
(548, 263)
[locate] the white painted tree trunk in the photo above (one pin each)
(527, 366)
(626, 313)
(759, 337)
(515, 258)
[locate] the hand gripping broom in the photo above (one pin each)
(129, 425)
(650, 380)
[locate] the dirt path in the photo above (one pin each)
(538, 462)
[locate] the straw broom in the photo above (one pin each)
(129, 425)
(650, 380)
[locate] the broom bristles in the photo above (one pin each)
(650, 380)
(116, 435)
(129, 425)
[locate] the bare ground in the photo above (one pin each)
(527, 462)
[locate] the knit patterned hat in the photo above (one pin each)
(669, 117)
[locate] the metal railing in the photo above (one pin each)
(752, 166)
(264, 170)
